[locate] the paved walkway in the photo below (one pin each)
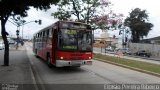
(18, 75)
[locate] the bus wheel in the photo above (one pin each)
(36, 53)
(49, 62)
(77, 66)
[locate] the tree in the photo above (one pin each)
(18, 7)
(94, 12)
(138, 24)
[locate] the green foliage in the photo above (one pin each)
(113, 46)
(138, 23)
(20, 7)
(93, 12)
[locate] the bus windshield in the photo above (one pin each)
(75, 40)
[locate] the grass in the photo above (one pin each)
(131, 63)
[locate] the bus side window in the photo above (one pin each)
(50, 33)
(43, 36)
(47, 33)
(49, 36)
(38, 37)
(40, 40)
(43, 33)
(55, 35)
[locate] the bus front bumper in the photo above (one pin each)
(62, 63)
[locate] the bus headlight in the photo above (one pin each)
(61, 57)
(89, 57)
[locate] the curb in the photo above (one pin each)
(33, 78)
(32, 72)
(132, 68)
(38, 81)
(144, 58)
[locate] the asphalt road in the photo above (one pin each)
(1, 51)
(92, 77)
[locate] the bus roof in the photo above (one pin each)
(59, 22)
(73, 22)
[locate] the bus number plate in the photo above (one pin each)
(76, 62)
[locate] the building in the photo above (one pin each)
(105, 40)
(155, 40)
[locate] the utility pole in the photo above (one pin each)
(124, 31)
(17, 41)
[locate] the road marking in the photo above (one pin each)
(92, 72)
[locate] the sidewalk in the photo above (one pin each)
(18, 75)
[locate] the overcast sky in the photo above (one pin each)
(151, 6)
(120, 6)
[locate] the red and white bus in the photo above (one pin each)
(64, 43)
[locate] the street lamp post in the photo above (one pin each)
(124, 31)
(19, 22)
(24, 23)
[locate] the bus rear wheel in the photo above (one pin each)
(49, 62)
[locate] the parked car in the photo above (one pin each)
(1, 45)
(109, 49)
(143, 53)
(11, 41)
(124, 50)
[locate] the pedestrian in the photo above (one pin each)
(22, 43)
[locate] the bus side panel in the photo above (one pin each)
(53, 55)
(35, 45)
(44, 51)
(47, 52)
(39, 49)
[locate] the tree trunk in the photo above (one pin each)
(133, 36)
(88, 12)
(4, 36)
(137, 37)
(76, 11)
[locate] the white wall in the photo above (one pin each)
(153, 48)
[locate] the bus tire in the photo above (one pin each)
(36, 56)
(49, 61)
(36, 53)
(77, 66)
